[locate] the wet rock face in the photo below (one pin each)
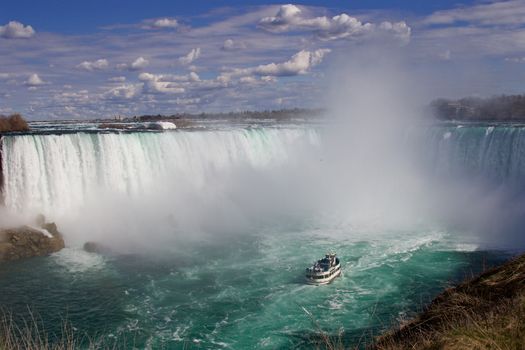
(26, 242)
(94, 247)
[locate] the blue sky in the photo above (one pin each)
(72, 59)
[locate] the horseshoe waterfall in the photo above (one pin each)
(205, 233)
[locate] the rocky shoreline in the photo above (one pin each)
(30, 241)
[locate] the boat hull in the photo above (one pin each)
(326, 280)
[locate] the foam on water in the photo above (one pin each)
(229, 291)
(77, 261)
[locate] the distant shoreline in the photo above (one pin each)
(504, 108)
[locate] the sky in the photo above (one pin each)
(99, 59)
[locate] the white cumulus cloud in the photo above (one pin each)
(300, 63)
(164, 84)
(138, 64)
(16, 30)
(34, 80)
(231, 45)
(191, 56)
(292, 18)
(94, 65)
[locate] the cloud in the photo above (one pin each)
(193, 76)
(72, 97)
(231, 45)
(493, 13)
(120, 79)
(34, 80)
(16, 30)
(239, 61)
(300, 63)
(123, 92)
(399, 30)
(475, 32)
(165, 84)
(93, 65)
(165, 23)
(138, 64)
(292, 18)
(515, 59)
(288, 16)
(248, 80)
(186, 101)
(268, 79)
(190, 57)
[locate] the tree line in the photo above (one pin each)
(281, 114)
(496, 108)
(13, 122)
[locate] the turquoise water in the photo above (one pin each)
(219, 226)
(241, 292)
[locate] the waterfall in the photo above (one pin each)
(53, 173)
(56, 174)
(493, 154)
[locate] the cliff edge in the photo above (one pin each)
(487, 312)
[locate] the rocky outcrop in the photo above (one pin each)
(28, 241)
(94, 247)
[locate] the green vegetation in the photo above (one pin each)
(14, 122)
(497, 108)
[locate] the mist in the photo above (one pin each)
(379, 170)
(363, 168)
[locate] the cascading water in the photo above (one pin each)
(244, 290)
(496, 154)
(52, 173)
(56, 173)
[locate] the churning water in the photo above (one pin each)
(209, 233)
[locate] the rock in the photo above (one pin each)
(94, 247)
(27, 242)
(51, 227)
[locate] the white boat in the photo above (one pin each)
(324, 271)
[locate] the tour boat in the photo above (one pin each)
(324, 271)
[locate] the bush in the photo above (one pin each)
(14, 122)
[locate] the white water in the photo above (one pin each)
(55, 173)
(103, 186)
(107, 186)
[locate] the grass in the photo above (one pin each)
(30, 333)
(487, 312)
